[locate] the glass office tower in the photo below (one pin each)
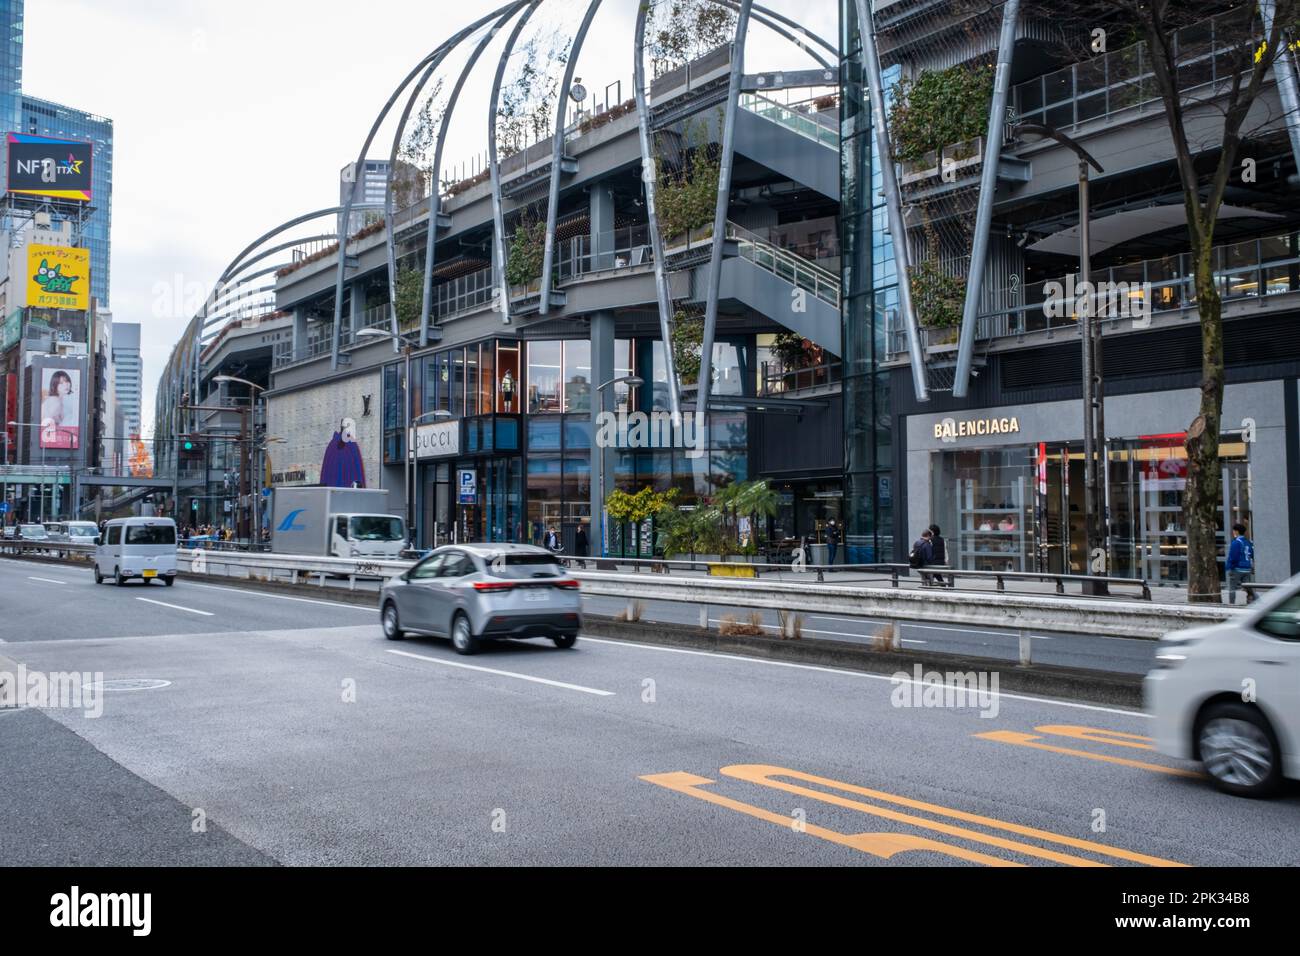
(870, 286)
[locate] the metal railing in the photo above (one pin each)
(1251, 269)
(1124, 79)
(608, 251)
(786, 265)
(776, 379)
(820, 127)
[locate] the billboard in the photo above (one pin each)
(53, 168)
(58, 405)
(58, 277)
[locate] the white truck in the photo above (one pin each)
(335, 522)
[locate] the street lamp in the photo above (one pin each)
(407, 345)
(245, 466)
(631, 381)
(1095, 458)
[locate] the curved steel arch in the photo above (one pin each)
(266, 253)
(557, 155)
(720, 212)
(340, 275)
(390, 240)
(765, 14)
(494, 168)
(435, 200)
(649, 180)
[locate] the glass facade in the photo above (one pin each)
(870, 292)
(11, 65)
(531, 468)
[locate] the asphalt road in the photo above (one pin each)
(289, 731)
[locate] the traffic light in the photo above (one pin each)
(191, 448)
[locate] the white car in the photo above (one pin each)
(1229, 695)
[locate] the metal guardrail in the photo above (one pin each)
(808, 125)
(1025, 614)
(17, 546)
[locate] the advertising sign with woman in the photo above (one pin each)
(60, 408)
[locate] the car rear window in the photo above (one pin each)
(150, 534)
(522, 566)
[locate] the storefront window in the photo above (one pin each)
(544, 367)
(457, 383)
(471, 380)
(624, 366)
(487, 383)
(577, 376)
(983, 502)
(509, 387)
(545, 495)
(544, 433)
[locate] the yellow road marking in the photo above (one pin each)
(886, 845)
(883, 845)
(761, 774)
(1100, 735)
(1029, 740)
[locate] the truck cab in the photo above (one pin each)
(366, 536)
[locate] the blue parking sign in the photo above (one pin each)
(467, 484)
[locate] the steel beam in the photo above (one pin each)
(988, 186)
(893, 197)
(722, 208)
(557, 154)
(649, 179)
(499, 252)
(1284, 71)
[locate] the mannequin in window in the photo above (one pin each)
(508, 390)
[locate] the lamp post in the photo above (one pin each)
(407, 346)
(245, 484)
(1096, 521)
(632, 381)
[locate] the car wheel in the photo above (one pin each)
(1239, 750)
(169, 581)
(99, 578)
(462, 638)
(565, 641)
(117, 577)
(388, 619)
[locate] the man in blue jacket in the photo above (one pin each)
(1241, 562)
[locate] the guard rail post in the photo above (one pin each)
(1026, 647)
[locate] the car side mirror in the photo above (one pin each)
(97, 540)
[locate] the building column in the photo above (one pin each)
(602, 459)
(357, 301)
(601, 204)
(299, 333)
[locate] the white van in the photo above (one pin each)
(142, 548)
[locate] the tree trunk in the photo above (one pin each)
(1204, 473)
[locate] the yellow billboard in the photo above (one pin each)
(58, 277)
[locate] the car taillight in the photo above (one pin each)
(493, 585)
(569, 584)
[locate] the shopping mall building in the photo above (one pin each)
(1000, 467)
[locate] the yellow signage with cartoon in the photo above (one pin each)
(58, 277)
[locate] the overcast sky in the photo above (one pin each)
(232, 116)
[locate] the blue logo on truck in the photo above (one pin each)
(288, 523)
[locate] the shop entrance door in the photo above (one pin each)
(1061, 536)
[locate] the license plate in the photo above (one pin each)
(535, 595)
(151, 574)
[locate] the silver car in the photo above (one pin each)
(483, 591)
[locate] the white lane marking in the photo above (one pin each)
(491, 670)
(284, 597)
(46, 580)
(176, 607)
(847, 673)
(807, 630)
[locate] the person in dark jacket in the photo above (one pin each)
(922, 554)
(939, 556)
(580, 543)
(1240, 563)
(832, 540)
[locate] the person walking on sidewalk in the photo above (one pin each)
(832, 540)
(1240, 563)
(939, 556)
(922, 554)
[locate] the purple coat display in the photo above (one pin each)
(342, 466)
